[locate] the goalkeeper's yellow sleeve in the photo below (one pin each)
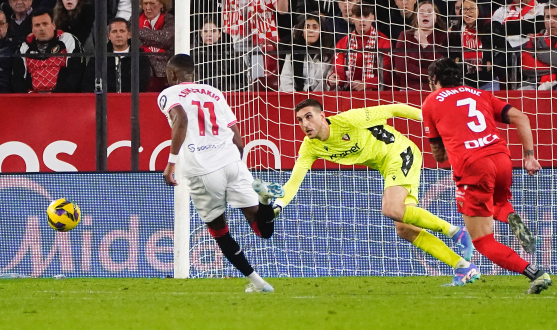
(292, 186)
(303, 164)
(378, 115)
(402, 110)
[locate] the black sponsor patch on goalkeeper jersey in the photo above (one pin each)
(382, 134)
(407, 160)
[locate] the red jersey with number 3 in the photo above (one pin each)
(208, 145)
(464, 118)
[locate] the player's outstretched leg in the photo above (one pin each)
(424, 219)
(507, 258)
(394, 207)
(232, 251)
(430, 244)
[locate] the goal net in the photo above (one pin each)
(268, 58)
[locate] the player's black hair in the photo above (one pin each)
(182, 62)
(41, 11)
(446, 72)
(309, 103)
(120, 20)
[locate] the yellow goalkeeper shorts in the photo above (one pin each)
(403, 169)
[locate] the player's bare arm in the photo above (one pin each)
(237, 139)
(438, 150)
(522, 123)
(179, 128)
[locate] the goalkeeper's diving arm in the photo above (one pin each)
(401, 110)
(291, 187)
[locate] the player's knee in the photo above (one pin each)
(393, 211)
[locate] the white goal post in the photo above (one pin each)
(181, 194)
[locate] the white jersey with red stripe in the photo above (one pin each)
(208, 145)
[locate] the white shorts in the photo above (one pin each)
(231, 184)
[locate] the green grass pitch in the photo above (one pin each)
(494, 302)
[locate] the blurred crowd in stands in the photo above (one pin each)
(37, 35)
(284, 45)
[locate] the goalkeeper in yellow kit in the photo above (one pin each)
(362, 137)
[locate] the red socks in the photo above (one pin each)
(500, 254)
(255, 229)
(219, 232)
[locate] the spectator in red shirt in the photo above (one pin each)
(256, 19)
(539, 58)
(357, 69)
(417, 48)
(39, 72)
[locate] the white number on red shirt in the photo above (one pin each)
(480, 126)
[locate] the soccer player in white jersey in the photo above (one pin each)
(206, 139)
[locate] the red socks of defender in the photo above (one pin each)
(500, 254)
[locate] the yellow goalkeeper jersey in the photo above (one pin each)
(357, 137)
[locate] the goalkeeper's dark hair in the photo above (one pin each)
(446, 72)
(309, 103)
(182, 62)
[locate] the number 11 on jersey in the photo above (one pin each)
(201, 117)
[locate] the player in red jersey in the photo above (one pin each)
(460, 122)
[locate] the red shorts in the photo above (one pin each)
(484, 183)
